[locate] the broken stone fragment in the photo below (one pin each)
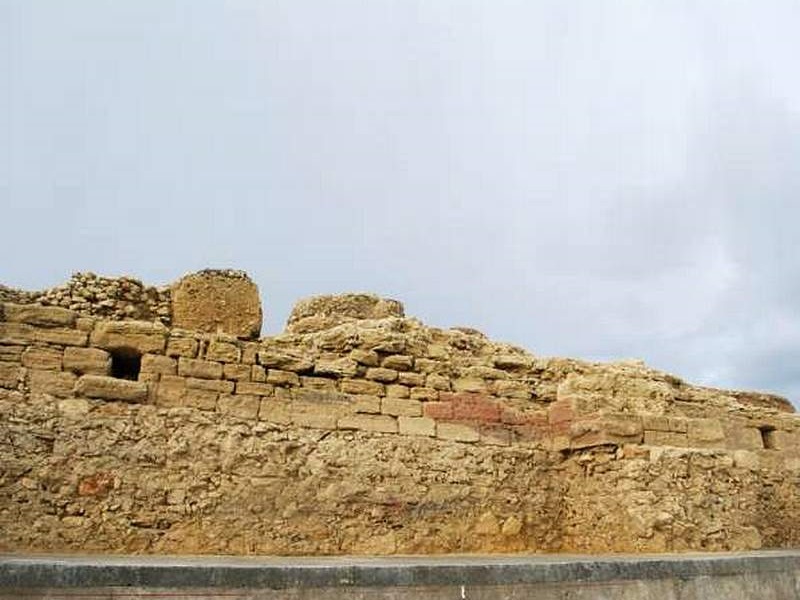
(323, 312)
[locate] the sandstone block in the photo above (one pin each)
(11, 375)
(512, 362)
(428, 366)
(495, 435)
(74, 408)
(242, 406)
(314, 415)
(424, 394)
(411, 379)
(319, 396)
(338, 367)
(285, 361)
(367, 404)
(377, 423)
(666, 438)
(457, 432)
(401, 406)
(223, 352)
(422, 426)
(87, 361)
(438, 382)
(47, 359)
(367, 358)
(438, 410)
(203, 369)
(249, 353)
(512, 389)
(11, 353)
(141, 336)
(170, 391)
(182, 346)
(32, 314)
(215, 301)
(55, 383)
(323, 384)
(110, 388)
(362, 386)
(398, 362)
(704, 432)
(473, 407)
(254, 388)
(200, 399)
(282, 378)
(397, 391)
(469, 384)
(16, 333)
(275, 411)
(213, 385)
(382, 374)
(237, 372)
(155, 363)
(62, 336)
(258, 374)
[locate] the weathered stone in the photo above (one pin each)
(338, 367)
(155, 363)
(11, 353)
(367, 404)
(416, 426)
(254, 388)
(398, 362)
(285, 361)
(457, 432)
(110, 388)
(47, 316)
(55, 383)
(381, 374)
(62, 336)
(242, 406)
(217, 302)
(401, 407)
(141, 336)
(214, 385)
(203, 369)
(237, 372)
(324, 312)
(378, 423)
(16, 333)
(87, 361)
(37, 357)
(283, 378)
(11, 375)
(367, 358)
(223, 352)
(182, 346)
(362, 386)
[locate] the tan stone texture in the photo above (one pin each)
(217, 302)
(111, 388)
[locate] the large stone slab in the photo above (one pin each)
(217, 301)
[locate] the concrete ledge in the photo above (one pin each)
(24, 572)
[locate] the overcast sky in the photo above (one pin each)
(585, 178)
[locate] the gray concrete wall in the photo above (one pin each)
(739, 576)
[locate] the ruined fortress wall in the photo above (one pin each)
(370, 435)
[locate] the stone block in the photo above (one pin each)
(324, 384)
(398, 362)
(156, 363)
(258, 374)
(316, 416)
(87, 361)
(438, 382)
(472, 407)
(705, 432)
(367, 404)
(495, 435)
(738, 437)
(217, 301)
(11, 375)
(249, 353)
(142, 336)
(111, 388)
(411, 379)
(401, 406)
(512, 389)
(11, 353)
(438, 410)
(275, 411)
(457, 432)
(324, 312)
(336, 366)
(203, 369)
(44, 316)
(286, 361)
(237, 372)
(223, 352)
(616, 429)
(182, 347)
(421, 426)
(469, 384)
(242, 406)
(47, 359)
(170, 391)
(376, 423)
(397, 391)
(282, 378)
(200, 399)
(319, 396)
(17, 333)
(62, 336)
(362, 386)
(213, 385)
(666, 438)
(424, 394)
(254, 388)
(368, 358)
(382, 374)
(512, 362)
(55, 383)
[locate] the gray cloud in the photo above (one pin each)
(596, 179)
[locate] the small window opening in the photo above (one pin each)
(125, 363)
(767, 437)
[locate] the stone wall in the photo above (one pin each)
(371, 435)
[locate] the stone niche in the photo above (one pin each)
(217, 301)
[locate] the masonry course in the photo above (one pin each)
(360, 430)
